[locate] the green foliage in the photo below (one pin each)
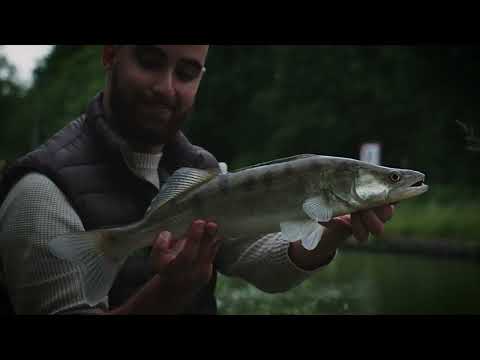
(64, 84)
(9, 102)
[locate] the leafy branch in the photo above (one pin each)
(473, 142)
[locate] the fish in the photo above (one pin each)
(290, 195)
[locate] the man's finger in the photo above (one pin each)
(208, 239)
(385, 213)
(358, 229)
(372, 223)
(178, 245)
(342, 223)
(161, 255)
(214, 247)
(211, 230)
(193, 240)
(338, 228)
(162, 242)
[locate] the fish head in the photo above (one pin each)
(408, 184)
(380, 185)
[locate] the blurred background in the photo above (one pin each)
(257, 103)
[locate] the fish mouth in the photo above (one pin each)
(420, 184)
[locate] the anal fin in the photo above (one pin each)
(308, 231)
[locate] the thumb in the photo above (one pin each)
(340, 222)
(163, 242)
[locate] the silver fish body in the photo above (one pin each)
(257, 200)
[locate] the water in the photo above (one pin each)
(406, 284)
(365, 283)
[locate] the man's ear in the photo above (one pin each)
(108, 56)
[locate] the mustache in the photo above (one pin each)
(160, 100)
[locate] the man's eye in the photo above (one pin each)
(188, 72)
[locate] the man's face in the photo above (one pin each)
(152, 89)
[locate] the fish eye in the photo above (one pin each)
(394, 177)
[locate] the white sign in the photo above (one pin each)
(371, 153)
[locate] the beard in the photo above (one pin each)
(143, 123)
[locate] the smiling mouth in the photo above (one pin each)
(158, 106)
(158, 110)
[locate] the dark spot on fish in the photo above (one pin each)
(267, 179)
(106, 236)
(288, 171)
(249, 183)
(223, 184)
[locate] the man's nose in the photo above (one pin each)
(164, 83)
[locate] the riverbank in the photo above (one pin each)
(444, 248)
(445, 214)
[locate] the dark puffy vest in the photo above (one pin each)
(86, 165)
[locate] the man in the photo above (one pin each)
(104, 168)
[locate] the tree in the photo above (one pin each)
(9, 99)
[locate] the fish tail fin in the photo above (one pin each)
(98, 270)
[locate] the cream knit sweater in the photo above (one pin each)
(35, 211)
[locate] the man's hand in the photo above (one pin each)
(186, 264)
(183, 267)
(360, 225)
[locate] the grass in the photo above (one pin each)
(444, 212)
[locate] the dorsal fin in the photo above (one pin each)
(181, 181)
(277, 161)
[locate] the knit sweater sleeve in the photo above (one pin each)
(33, 213)
(263, 262)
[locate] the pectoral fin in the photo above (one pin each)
(318, 209)
(308, 231)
